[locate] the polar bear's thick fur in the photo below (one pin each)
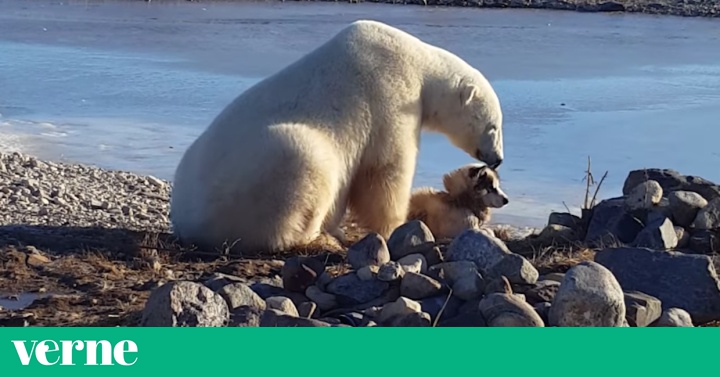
(338, 129)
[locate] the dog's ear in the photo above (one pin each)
(477, 171)
(454, 182)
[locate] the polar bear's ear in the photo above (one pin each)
(468, 93)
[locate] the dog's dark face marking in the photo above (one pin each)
(487, 186)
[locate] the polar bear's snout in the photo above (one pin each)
(492, 162)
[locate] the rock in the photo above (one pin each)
(239, 294)
(558, 234)
(401, 307)
(543, 291)
(324, 301)
(433, 256)
(565, 219)
(276, 318)
(390, 271)
(705, 241)
(543, 310)
(491, 256)
(671, 180)
(406, 237)
(499, 285)
(709, 216)
(644, 196)
(368, 273)
(298, 273)
(450, 272)
(417, 286)
(413, 263)
(469, 287)
(469, 319)
(678, 280)
(417, 319)
(434, 305)
(674, 317)
(369, 251)
(640, 309)
(355, 291)
(611, 223)
(503, 310)
(185, 304)
(683, 237)
(353, 319)
(245, 316)
(659, 235)
(589, 296)
(282, 304)
(516, 269)
(684, 206)
(217, 280)
(307, 309)
(554, 276)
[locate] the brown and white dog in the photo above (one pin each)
(472, 191)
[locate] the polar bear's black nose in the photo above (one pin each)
(506, 201)
(496, 164)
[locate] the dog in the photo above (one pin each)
(471, 191)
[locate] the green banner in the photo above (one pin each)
(366, 351)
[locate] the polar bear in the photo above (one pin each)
(338, 129)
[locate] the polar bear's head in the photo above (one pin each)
(471, 117)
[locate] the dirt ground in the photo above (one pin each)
(102, 277)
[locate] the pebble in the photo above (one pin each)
(674, 317)
(307, 309)
(400, 307)
(683, 237)
(413, 263)
(450, 272)
(479, 246)
(469, 287)
(516, 269)
(276, 318)
(390, 271)
(371, 250)
(282, 304)
(418, 286)
(589, 296)
(239, 294)
(407, 237)
(641, 310)
(684, 206)
(298, 273)
(184, 304)
(504, 310)
(417, 319)
(350, 288)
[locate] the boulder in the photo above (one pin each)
(640, 309)
(469, 287)
(565, 219)
(589, 296)
(516, 269)
(418, 286)
(350, 289)
(678, 280)
(185, 304)
(413, 263)
(611, 224)
(644, 196)
(542, 291)
(390, 271)
(503, 310)
(282, 304)
(401, 307)
(659, 234)
(371, 250)
(406, 237)
(684, 206)
(705, 241)
(325, 301)
(674, 317)
(450, 272)
(708, 217)
(239, 294)
(245, 316)
(671, 180)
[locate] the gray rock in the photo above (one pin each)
(516, 269)
(554, 276)
(369, 251)
(324, 301)
(503, 310)
(674, 317)
(184, 304)
(589, 296)
(417, 319)
(355, 291)
(276, 318)
(218, 280)
(417, 286)
(645, 195)
(565, 219)
(543, 291)
(441, 306)
(659, 234)
(245, 316)
(401, 307)
(478, 246)
(705, 241)
(468, 319)
(678, 280)
(498, 285)
(406, 237)
(709, 216)
(298, 273)
(469, 287)
(640, 309)
(611, 224)
(413, 263)
(307, 309)
(239, 294)
(368, 273)
(543, 310)
(450, 272)
(684, 206)
(282, 304)
(671, 180)
(433, 256)
(390, 271)
(683, 237)
(558, 234)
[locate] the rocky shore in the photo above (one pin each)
(81, 246)
(686, 8)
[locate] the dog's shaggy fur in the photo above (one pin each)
(472, 191)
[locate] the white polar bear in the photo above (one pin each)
(338, 129)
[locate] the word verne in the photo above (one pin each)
(49, 352)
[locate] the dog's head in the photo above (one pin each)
(479, 180)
